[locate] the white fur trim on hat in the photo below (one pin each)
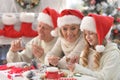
(27, 17)
(45, 18)
(88, 23)
(9, 19)
(108, 34)
(100, 48)
(68, 19)
(54, 32)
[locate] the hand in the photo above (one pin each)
(16, 45)
(69, 64)
(75, 59)
(37, 51)
(53, 60)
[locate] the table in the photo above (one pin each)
(6, 75)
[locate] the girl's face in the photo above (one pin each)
(91, 37)
(70, 32)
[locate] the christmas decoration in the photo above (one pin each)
(28, 4)
(105, 8)
(27, 20)
(9, 20)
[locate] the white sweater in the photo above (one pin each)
(109, 64)
(26, 55)
(63, 48)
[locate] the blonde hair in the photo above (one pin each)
(85, 54)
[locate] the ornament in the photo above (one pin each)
(28, 4)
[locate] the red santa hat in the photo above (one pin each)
(49, 16)
(99, 24)
(69, 16)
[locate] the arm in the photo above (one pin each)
(110, 66)
(75, 52)
(56, 51)
(25, 55)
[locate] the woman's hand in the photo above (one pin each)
(37, 51)
(16, 45)
(53, 60)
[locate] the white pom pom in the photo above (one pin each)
(100, 48)
(54, 33)
(52, 69)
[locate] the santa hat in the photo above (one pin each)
(49, 16)
(99, 24)
(69, 16)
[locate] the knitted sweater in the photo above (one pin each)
(109, 64)
(63, 48)
(26, 55)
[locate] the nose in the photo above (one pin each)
(69, 32)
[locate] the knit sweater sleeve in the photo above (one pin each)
(56, 51)
(25, 55)
(109, 68)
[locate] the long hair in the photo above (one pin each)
(85, 54)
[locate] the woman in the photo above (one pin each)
(100, 58)
(70, 41)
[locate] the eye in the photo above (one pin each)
(43, 27)
(65, 29)
(73, 28)
(91, 33)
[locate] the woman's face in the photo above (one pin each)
(70, 32)
(91, 37)
(44, 31)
